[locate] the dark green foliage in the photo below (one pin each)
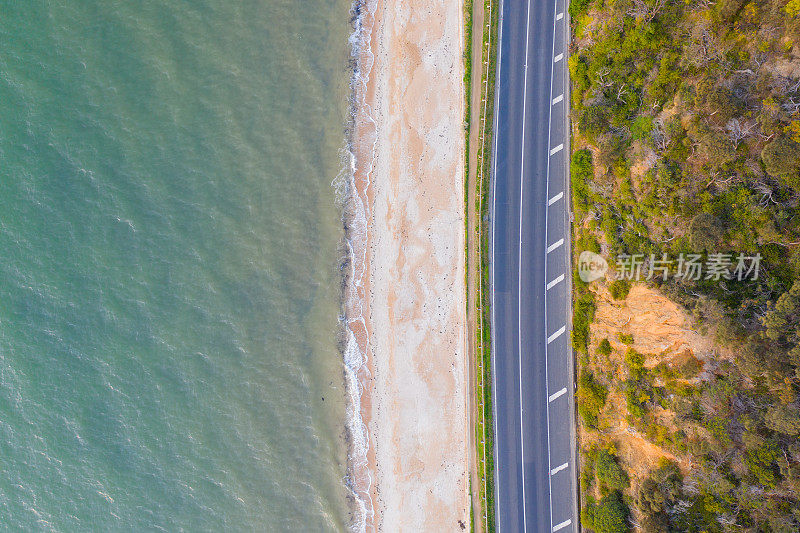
(625, 338)
(604, 348)
(784, 419)
(591, 399)
(619, 289)
(695, 147)
(659, 492)
(763, 464)
(582, 174)
(609, 515)
(609, 472)
(583, 310)
(782, 159)
(578, 7)
(706, 233)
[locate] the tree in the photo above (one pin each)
(706, 232)
(784, 419)
(782, 159)
(655, 523)
(716, 147)
(782, 322)
(659, 492)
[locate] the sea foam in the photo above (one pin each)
(352, 187)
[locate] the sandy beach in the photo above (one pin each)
(410, 275)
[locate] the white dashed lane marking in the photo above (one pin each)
(562, 525)
(555, 282)
(555, 245)
(556, 335)
(557, 395)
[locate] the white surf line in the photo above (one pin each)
(555, 198)
(557, 149)
(557, 395)
(519, 273)
(562, 525)
(559, 16)
(558, 58)
(558, 99)
(557, 334)
(558, 469)
(555, 245)
(555, 282)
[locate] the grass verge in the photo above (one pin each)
(484, 424)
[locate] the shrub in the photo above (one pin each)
(582, 173)
(582, 316)
(619, 289)
(610, 515)
(609, 472)
(604, 348)
(578, 8)
(625, 338)
(591, 398)
(635, 363)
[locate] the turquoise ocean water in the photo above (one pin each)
(169, 265)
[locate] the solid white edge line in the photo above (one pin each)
(555, 198)
(555, 245)
(555, 282)
(558, 469)
(558, 98)
(557, 334)
(556, 395)
(496, 120)
(519, 273)
(557, 149)
(562, 525)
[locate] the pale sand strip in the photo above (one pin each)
(415, 401)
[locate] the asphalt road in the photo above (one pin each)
(530, 247)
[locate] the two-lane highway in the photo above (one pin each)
(530, 247)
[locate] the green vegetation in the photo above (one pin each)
(687, 118)
(610, 513)
(591, 398)
(619, 289)
(485, 434)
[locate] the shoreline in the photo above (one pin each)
(358, 199)
(406, 355)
